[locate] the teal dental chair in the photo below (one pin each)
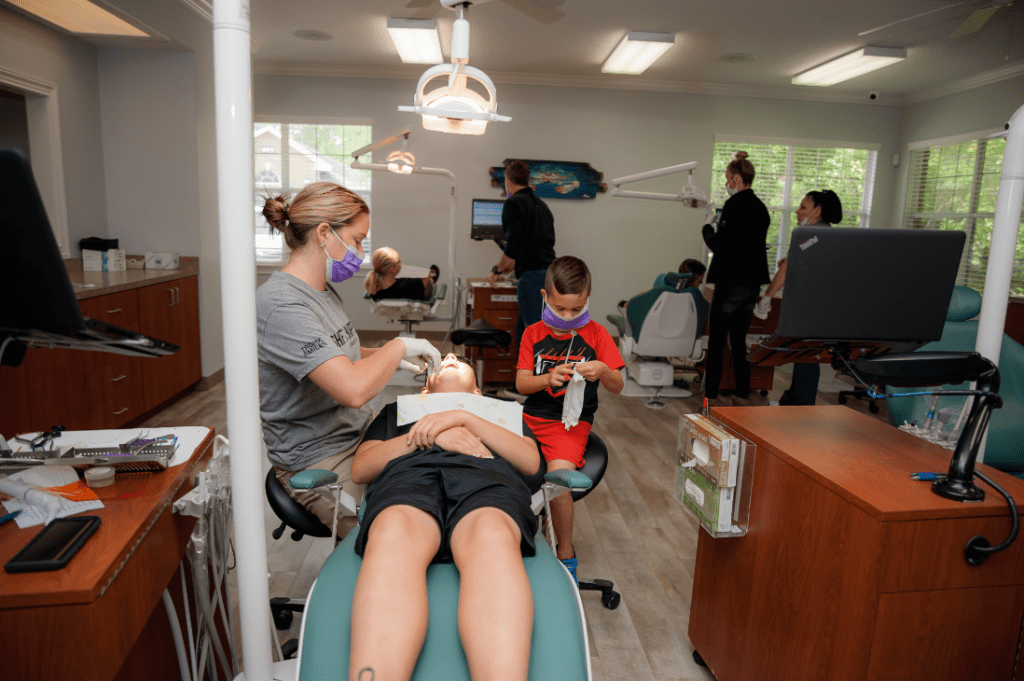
(1005, 444)
(559, 648)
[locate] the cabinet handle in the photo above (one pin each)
(504, 371)
(123, 410)
(171, 292)
(115, 380)
(116, 309)
(177, 295)
(505, 319)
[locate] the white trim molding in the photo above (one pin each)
(43, 112)
(820, 144)
(953, 139)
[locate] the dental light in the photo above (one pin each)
(857, 63)
(401, 160)
(456, 108)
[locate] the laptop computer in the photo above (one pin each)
(37, 302)
(871, 290)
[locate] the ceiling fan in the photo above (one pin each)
(544, 11)
(973, 23)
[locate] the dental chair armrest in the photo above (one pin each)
(567, 478)
(619, 323)
(312, 478)
(442, 291)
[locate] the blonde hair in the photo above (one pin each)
(742, 167)
(385, 260)
(315, 203)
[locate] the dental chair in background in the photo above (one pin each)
(653, 326)
(408, 311)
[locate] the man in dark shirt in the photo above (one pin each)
(529, 231)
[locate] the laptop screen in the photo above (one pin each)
(37, 293)
(869, 284)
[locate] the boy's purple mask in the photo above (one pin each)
(549, 317)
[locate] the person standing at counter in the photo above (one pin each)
(738, 269)
(316, 381)
(529, 230)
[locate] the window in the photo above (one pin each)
(312, 153)
(953, 186)
(787, 169)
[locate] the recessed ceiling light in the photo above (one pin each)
(864, 60)
(737, 57)
(637, 51)
(416, 40)
(310, 34)
(80, 17)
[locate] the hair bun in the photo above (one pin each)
(740, 155)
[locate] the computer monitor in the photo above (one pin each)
(876, 290)
(487, 219)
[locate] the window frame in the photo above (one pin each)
(265, 264)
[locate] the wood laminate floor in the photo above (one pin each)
(630, 530)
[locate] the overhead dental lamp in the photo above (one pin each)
(455, 108)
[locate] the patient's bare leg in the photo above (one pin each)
(389, 607)
(495, 603)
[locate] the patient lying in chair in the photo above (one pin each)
(451, 487)
(383, 281)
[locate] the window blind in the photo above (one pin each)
(786, 171)
(954, 186)
(288, 156)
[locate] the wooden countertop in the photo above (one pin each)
(112, 282)
(863, 460)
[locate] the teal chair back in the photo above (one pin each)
(1005, 445)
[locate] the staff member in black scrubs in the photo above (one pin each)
(738, 269)
(529, 230)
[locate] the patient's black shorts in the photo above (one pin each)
(449, 485)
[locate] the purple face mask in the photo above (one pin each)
(549, 317)
(344, 269)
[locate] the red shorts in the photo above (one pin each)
(558, 443)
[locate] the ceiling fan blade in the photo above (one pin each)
(544, 11)
(975, 21)
(916, 16)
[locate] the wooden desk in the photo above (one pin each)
(851, 570)
(499, 305)
(100, 617)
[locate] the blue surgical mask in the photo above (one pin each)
(338, 271)
(555, 320)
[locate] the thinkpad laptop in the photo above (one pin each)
(873, 290)
(37, 302)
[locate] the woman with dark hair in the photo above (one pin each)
(738, 270)
(817, 209)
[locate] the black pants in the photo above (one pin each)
(731, 309)
(803, 391)
(531, 303)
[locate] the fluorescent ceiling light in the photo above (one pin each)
(849, 66)
(416, 40)
(79, 16)
(637, 51)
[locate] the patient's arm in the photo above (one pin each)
(518, 450)
(778, 280)
(373, 455)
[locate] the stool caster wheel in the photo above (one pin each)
(842, 399)
(764, 393)
(611, 600)
(283, 619)
(873, 408)
(699, 660)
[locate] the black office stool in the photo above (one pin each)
(595, 462)
(480, 334)
(294, 515)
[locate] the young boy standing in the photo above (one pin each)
(565, 342)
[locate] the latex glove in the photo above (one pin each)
(410, 367)
(420, 349)
(763, 307)
(712, 217)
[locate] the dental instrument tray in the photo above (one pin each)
(125, 457)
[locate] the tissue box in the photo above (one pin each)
(92, 261)
(711, 503)
(717, 451)
(161, 261)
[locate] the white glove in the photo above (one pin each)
(410, 367)
(712, 217)
(763, 307)
(422, 350)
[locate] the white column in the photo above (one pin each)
(233, 105)
(1003, 248)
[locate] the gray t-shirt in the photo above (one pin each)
(298, 329)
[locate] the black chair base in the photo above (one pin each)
(609, 597)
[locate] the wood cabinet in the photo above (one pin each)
(97, 390)
(500, 307)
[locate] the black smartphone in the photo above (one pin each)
(55, 544)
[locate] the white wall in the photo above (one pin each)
(31, 50)
(625, 242)
(982, 108)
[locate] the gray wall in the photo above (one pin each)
(983, 108)
(13, 123)
(31, 50)
(625, 242)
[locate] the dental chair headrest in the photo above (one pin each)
(964, 304)
(673, 281)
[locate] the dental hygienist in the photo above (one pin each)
(316, 381)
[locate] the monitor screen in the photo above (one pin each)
(487, 219)
(869, 284)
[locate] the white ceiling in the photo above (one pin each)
(565, 41)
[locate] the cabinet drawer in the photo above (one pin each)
(119, 309)
(114, 412)
(499, 319)
(489, 354)
(500, 371)
(496, 299)
(114, 381)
